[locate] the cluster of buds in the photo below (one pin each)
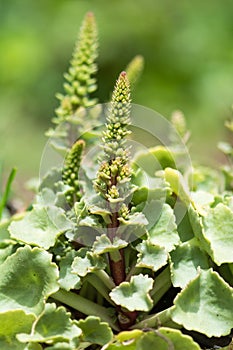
(118, 120)
(113, 178)
(117, 171)
(70, 174)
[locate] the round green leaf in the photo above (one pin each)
(151, 256)
(134, 295)
(41, 226)
(186, 261)
(95, 331)
(53, 325)
(11, 323)
(27, 278)
(205, 305)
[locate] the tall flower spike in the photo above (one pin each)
(118, 119)
(80, 79)
(70, 172)
(113, 179)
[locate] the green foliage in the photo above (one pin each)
(16, 288)
(95, 331)
(164, 339)
(134, 295)
(9, 328)
(110, 239)
(53, 325)
(196, 302)
(41, 226)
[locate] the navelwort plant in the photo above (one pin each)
(122, 247)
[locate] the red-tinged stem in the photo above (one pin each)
(117, 268)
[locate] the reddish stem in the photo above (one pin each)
(118, 268)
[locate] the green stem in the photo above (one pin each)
(105, 278)
(162, 284)
(85, 306)
(133, 271)
(99, 286)
(162, 318)
(83, 291)
(7, 191)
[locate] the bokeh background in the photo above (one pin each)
(188, 51)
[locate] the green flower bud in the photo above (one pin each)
(69, 175)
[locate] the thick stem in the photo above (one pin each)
(112, 227)
(116, 263)
(99, 286)
(85, 306)
(127, 319)
(105, 278)
(117, 268)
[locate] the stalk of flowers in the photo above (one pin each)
(80, 79)
(70, 172)
(113, 178)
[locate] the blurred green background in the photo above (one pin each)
(188, 51)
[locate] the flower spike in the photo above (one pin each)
(70, 172)
(114, 172)
(80, 79)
